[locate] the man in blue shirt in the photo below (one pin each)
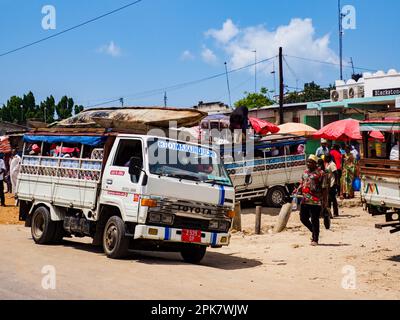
(323, 150)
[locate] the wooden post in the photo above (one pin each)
(258, 220)
(237, 220)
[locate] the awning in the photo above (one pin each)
(383, 126)
(86, 140)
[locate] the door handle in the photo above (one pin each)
(109, 181)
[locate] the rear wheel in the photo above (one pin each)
(276, 197)
(115, 243)
(42, 228)
(193, 253)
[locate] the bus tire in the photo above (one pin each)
(42, 228)
(115, 243)
(275, 197)
(193, 253)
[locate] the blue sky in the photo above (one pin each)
(159, 43)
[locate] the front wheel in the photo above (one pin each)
(193, 253)
(115, 243)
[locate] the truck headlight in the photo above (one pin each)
(213, 225)
(161, 218)
(167, 219)
(155, 217)
(219, 225)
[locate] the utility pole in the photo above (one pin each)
(227, 82)
(281, 86)
(255, 71)
(122, 101)
(352, 65)
(165, 99)
(340, 38)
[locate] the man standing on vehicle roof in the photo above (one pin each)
(2, 174)
(313, 187)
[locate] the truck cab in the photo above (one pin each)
(126, 191)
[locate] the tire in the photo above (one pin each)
(283, 218)
(115, 243)
(193, 253)
(42, 228)
(276, 197)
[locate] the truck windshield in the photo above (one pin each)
(186, 161)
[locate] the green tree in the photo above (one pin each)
(64, 108)
(78, 109)
(255, 100)
(311, 92)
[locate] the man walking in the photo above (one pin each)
(15, 164)
(333, 184)
(313, 187)
(2, 175)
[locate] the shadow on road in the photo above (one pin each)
(334, 245)
(82, 246)
(394, 258)
(212, 259)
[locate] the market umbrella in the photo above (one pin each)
(377, 135)
(297, 129)
(263, 127)
(344, 130)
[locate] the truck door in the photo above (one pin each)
(119, 188)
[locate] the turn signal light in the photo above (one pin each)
(148, 203)
(231, 214)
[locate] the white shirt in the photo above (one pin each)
(394, 153)
(2, 166)
(331, 169)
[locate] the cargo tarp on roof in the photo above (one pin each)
(86, 140)
(133, 118)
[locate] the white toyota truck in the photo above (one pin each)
(126, 191)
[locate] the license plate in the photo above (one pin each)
(191, 235)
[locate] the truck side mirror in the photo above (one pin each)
(135, 166)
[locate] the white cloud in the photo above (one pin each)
(187, 55)
(298, 38)
(228, 31)
(209, 56)
(111, 49)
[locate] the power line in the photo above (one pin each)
(293, 73)
(328, 63)
(150, 93)
(71, 28)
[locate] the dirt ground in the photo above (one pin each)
(354, 261)
(9, 214)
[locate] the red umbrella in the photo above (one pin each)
(342, 130)
(377, 135)
(345, 130)
(263, 127)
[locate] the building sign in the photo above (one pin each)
(386, 92)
